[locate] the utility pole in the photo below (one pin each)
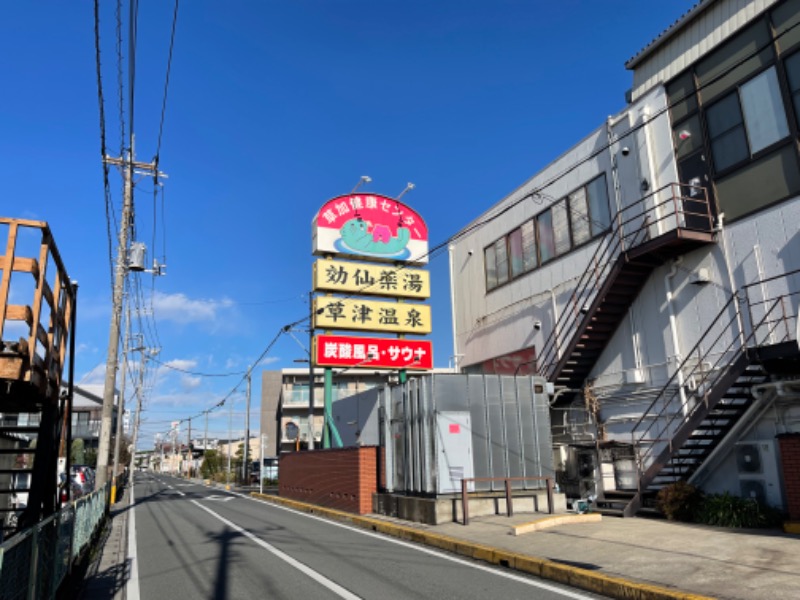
(230, 434)
(310, 444)
(261, 465)
(139, 393)
(121, 404)
(189, 448)
(246, 466)
(126, 164)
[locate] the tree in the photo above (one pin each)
(77, 452)
(91, 457)
(212, 463)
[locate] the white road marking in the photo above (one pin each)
(132, 587)
(218, 498)
(318, 577)
(461, 561)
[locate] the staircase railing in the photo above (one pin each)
(688, 390)
(666, 209)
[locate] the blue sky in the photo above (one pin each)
(273, 108)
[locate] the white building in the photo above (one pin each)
(652, 271)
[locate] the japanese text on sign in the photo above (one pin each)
(349, 351)
(372, 279)
(368, 315)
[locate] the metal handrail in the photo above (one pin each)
(509, 496)
(615, 244)
(674, 414)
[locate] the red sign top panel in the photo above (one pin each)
(374, 353)
(383, 214)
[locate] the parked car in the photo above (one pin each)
(84, 475)
(64, 492)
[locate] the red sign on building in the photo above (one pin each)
(374, 353)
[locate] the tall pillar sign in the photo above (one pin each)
(368, 282)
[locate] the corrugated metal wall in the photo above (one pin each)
(510, 429)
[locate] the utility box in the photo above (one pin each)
(453, 451)
(439, 429)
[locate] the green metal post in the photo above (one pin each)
(327, 410)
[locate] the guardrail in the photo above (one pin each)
(509, 496)
(35, 562)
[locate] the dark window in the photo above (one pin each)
(793, 76)
(726, 130)
(599, 212)
(747, 120)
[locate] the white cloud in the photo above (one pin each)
(181, 363)
(179, 308)
(191, 383)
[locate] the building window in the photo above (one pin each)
(566, 224)
(793, 76)
(726, 130)
(501, 256)
(561, 236)
(490, 266)
(529, 256)
(599, 211)
(515, 253)
(544, 230)
(747, 121)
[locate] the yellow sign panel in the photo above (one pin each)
(369, 315)
(373, 279)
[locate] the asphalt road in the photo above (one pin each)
(201, 543)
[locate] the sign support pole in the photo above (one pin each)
(328, 410)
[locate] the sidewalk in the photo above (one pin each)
(636, 558)
(109, 573)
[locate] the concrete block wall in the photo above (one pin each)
(790, 464)
(344, 479)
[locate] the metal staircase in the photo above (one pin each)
(710, 391)
(33, 414)
(666, 223)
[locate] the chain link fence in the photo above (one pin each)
(35, 562)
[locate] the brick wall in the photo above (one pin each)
(344, 479)
(790, 463)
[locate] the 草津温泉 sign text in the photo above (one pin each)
(368, 315)
(375, 353)
(371, 279)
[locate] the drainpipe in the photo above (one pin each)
(673, 327)
(555, 322)
(654, 183)
(456, 367)
(614, 174)
(731, 282)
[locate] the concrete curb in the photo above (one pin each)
(614, 587)
(555, 520)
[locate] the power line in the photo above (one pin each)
(197, 373)
(101, 103)
(166, 81)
